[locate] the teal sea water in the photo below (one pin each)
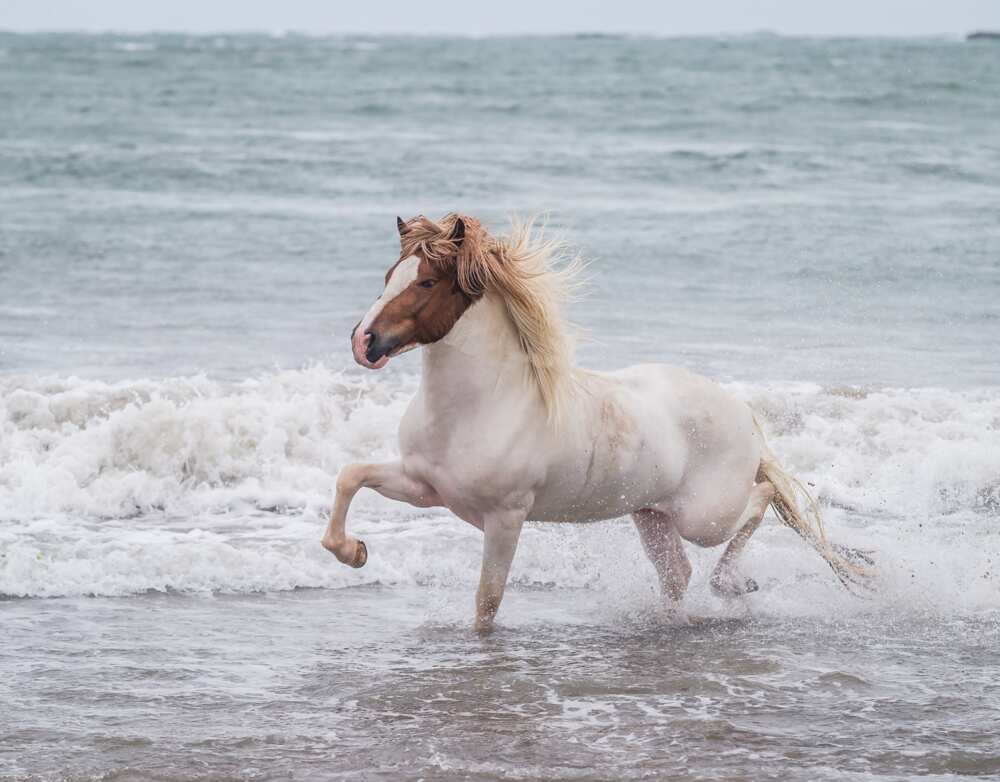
(758, 207)
(191, 225)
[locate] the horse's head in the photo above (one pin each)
(426, 291)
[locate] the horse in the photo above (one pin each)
(504, 428)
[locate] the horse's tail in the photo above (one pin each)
(854, 567)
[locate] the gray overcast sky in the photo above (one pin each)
(666, 17)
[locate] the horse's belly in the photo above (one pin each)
(610, 483)
(573, 511)
(594, 508)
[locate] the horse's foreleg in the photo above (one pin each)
(500, 536)
(725, 581)
(665, 550)
(387, 479)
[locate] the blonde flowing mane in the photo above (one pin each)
(533, 275)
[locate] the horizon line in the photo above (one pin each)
(294, 32)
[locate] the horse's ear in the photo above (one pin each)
(400, 225)
(458, 231)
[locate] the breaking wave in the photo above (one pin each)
(193, 484)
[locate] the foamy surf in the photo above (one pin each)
(191, 484)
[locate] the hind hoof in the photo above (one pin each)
(730, 585)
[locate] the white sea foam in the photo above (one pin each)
(193, 484)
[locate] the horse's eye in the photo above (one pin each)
(427, 283)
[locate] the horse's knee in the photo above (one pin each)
(351, 478)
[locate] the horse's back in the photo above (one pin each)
(679, 399)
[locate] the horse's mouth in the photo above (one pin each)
(402, 349)
(360, 344)
(372, 364)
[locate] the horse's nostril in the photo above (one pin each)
(371, 346)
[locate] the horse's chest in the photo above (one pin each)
(471, 466)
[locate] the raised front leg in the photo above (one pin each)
(387, 479)
(500, 535)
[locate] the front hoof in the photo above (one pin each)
(483, 627)
(341, 550)
(360, 555)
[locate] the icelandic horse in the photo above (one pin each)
(504, 428)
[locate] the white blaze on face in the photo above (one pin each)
(400, 279)
(404, 274)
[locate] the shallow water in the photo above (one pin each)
(391, 682)
(189, 227)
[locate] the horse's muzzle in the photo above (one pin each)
(380, 347)
(368, 352)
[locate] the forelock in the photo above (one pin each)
(466, 259)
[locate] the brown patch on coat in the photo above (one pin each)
(420, 314)
(427, 309)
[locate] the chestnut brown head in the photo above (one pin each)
(423, 296)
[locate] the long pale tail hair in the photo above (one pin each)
(853, 567)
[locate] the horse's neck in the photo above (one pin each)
(480, 359)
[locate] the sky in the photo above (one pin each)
(469, 17)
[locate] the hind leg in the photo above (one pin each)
(726, 580)
(665, 550)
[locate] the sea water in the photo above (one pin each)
(191, 225)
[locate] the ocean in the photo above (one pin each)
(191, 225)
